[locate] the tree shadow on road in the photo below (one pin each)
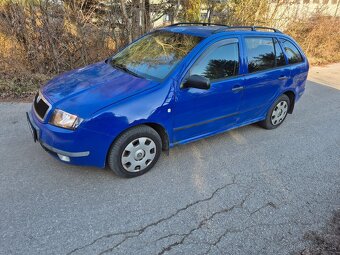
(326, 241)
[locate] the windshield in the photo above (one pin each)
(155, 55)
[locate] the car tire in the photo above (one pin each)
(277, 113)
(135, 151)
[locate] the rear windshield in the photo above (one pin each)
(155, 55)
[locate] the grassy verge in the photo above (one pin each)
(20, 87)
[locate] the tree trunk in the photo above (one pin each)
(136, 18)
(127, 21)
(147, 22)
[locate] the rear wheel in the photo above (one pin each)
(135, 152)
(277, 113)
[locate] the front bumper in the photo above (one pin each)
(80, 146)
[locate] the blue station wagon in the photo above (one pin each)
(172, 86)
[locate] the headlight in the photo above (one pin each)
(65, 120)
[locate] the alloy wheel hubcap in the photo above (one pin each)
(138, 154)
(279, 113)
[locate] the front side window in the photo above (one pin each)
(261, 54)
(218, 62)
(292, 52)
(155, 55)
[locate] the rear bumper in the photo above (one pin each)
(79, 147)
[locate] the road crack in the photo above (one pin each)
(202, 223)
(269, 204)
(135, 233)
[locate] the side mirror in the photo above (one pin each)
(197, 81)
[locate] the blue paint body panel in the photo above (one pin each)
(111, 101)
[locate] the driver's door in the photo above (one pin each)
(200, 112)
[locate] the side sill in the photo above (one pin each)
(196, 138)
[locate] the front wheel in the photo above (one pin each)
(277, 113)
(135, 152)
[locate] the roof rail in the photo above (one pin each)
(252, 28)
(224, 28)
(196, 23)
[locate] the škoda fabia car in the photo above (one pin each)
(172, 86)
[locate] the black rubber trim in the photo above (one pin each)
(206, 121)
(66, 153)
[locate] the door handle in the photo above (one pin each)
(283, 78)
(237, 89)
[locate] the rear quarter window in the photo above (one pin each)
(292, 53)
(280, 58)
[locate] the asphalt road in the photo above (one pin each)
(248, 191)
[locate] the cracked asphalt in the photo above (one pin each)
(247, 191)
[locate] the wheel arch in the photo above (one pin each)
(160, 129)
(162, 133)
(155, 126)
(291, 96)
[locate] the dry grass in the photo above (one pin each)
(21, 86)
(319, 37)
(41, 39)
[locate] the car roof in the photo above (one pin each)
(208, 30)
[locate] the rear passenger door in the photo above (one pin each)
(266, 74)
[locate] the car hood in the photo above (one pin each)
(86, 90)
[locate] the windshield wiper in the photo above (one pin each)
(125, 69)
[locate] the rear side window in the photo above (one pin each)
(261, 54)
(218, 62)
(292, 53)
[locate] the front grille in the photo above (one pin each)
(40, 106)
